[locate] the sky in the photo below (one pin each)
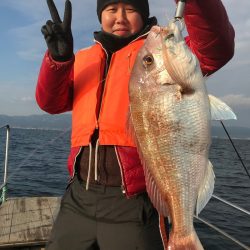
(22, 48)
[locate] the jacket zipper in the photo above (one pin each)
(103, 80)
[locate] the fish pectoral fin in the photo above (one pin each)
(206, 188)
(220, 110)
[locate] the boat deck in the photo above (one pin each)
(25, 223)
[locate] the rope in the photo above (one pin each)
(3, 195)
(89, 169)
(1, 187)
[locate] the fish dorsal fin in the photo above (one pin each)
(220, 110)
(206, 188)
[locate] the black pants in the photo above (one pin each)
(103, 218)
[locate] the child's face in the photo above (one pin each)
(121, 19)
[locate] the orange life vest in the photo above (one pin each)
(88, 74)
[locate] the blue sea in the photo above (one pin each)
(37, 167)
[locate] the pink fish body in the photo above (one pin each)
(170, 119)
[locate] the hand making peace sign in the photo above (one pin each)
(58, 34)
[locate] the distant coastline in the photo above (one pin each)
(63, 122)
(44, 121)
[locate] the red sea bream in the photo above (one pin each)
(170, 118)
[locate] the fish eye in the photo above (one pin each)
(148, 60)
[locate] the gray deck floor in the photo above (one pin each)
(27, 221)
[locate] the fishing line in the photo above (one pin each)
(235, 149)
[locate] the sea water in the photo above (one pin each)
(38, 167)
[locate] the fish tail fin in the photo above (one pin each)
(189, 242)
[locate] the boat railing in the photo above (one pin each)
(220, 231)
(3, 187)
(231, 205)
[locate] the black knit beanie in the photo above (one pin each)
(141, 6)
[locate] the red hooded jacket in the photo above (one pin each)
(211, 38)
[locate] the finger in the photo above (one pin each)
(44, 31)
(48, 39)
(57, 29)
(53, 11)
(49, 28)
(67, 15)
(46, 34)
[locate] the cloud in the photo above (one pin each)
(27, 99)
(32, 9)
(238, 13)
(240, 104)
(240, 101)
(85, 22)
(163, 10)
(29, 41)
(17, 99)
(30, 44)
(34, 54)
